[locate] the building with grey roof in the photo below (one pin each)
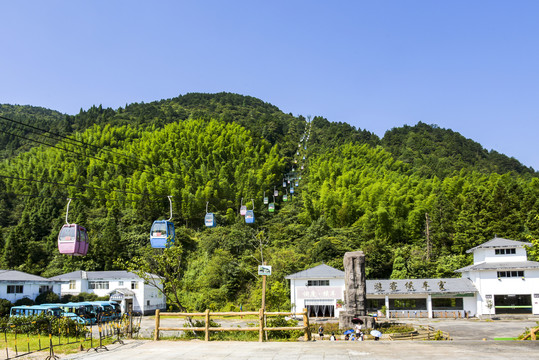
(127, 288)
(16, 285)
(500, 281)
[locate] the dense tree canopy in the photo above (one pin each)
(218, 151)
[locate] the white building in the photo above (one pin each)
(126, 288)
(501, 281)
(506, 282)
(319, 290)
(15, 285)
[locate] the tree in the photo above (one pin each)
(167, 265)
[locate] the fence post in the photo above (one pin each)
(156, 334)
(306, 325)
(207, 327)
(261, 325)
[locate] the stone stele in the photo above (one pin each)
(355, 291)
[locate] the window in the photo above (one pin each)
(148, 302)
(505, 251)
(134, 285)
(518, 273)
(72, 284)
(318, 283)
(98, 284)
(408, 304)
(120, 283)
(14, 289)
(447, 304)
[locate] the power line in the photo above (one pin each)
(70, 139)
(79, 186)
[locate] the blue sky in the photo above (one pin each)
(471, 66)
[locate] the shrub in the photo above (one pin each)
(24, 301)
(47, 297)
(5, 306)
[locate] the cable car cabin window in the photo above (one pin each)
(15, 289)
(68, 233)
(159, 229)
(170, 230)
(509, 251)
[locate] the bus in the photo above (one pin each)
(34, 310)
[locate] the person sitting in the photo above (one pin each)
(332, 337)
(346, 337)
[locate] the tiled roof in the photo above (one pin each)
(501, 265)
(14, 275)
(417, 286)
(97, 275)
(318, 272)
(500, 243)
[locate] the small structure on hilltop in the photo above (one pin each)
(355, 291)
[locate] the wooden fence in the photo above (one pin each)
(207, 328)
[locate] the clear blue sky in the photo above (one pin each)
(471, 66)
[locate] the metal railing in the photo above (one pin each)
(24, 338)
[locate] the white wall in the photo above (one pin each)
(30, 289)
(489, 255)
(487, 283)
(299, 292)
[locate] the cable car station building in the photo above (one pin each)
(500, 281)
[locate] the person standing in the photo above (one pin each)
(321, 332)
(359, 332)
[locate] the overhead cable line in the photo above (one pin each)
(81, 154)
(79, 186)
(60, 148)
(70, 139)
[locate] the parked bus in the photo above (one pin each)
(75, 312)
(31, 310)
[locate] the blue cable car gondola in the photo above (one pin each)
(291, 190)
(297, 184)
(250, 215)
(209, 219)
(73, 238)
(162, 233)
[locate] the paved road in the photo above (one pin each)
(340, 350)
(474, 329)
(467, 344)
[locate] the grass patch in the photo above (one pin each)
(23, 343)
(506, 338)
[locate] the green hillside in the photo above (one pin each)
(357, 192)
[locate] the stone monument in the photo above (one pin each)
(355, 291)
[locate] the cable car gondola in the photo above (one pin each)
(275, 193)
(271, 207)
(291, 190)
(209, 219)
(250, 215)
(243, 208)
(162, 233)
(73, 238)
(266, 200)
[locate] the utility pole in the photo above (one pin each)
(427, 221)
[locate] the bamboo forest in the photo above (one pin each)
(413, 200)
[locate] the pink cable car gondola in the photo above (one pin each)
(73, 238)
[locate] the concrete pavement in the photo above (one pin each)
(340, 350)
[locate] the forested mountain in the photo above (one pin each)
(442, 152)
(218, 151)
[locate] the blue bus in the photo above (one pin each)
(33, 310)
